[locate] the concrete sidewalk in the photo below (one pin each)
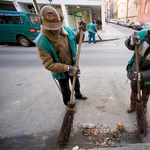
(110, 34)
(31, 104)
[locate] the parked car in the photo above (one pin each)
(111, 20)
(137, 25)
(146, 26)
(118, 22)
(21, 27)
(121, 23)
(125, 23)
(129, 24)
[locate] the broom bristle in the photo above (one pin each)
(66, 126)
(141, 120)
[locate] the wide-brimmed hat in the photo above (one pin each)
(51, 19)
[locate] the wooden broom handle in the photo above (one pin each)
(137, 68)
(77, 60)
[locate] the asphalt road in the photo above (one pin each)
(31, 105)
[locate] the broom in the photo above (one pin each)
(68, 118)
(99, 37)
(140, 113)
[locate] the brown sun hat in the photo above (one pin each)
(51, 19)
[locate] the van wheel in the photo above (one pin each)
(24, 41)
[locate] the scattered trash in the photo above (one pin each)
(103, 136)
(75, 148)
(89, 125)
(120, 127)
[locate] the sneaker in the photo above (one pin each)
(83, 97)
(130, 110)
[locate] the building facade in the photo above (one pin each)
(111, 9)
(107, 11)
(144, 11)
(122, 10)
(71, 9)
(132, 10)
(127, 10)
(116, 9)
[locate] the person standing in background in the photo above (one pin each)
(92, 31)
(99, 24)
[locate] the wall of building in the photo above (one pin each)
(111, 9)
(132, 10)
(116, 9)
(144, 11)
(90, 4)
(122, 10)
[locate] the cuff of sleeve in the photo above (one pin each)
(66, 68)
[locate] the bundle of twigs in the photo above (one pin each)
(66, 125)
(141, 118)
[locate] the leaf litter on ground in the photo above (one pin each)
(103, 136)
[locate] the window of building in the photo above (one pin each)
(75, 15)
(31, 9)
(146, 5)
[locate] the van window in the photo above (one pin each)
(3, 20)
(10, 19)
(35, 19)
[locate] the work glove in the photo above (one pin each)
(82, 25)
(73, 71)
(134, 40)
(137, 76)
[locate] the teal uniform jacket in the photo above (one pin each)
(130, 63)
(43, 42)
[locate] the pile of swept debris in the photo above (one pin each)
(104, 136)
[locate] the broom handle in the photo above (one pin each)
(137, 68)
(77, 60)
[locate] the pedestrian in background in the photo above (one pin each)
(92, 31)
(143, 40)
(99, 24)
(57, 48)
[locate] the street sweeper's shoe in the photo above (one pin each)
(83, 97)
(130, 110)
